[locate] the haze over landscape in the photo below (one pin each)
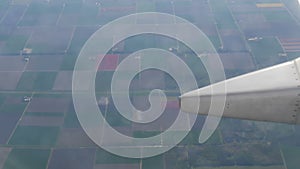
(40, 41)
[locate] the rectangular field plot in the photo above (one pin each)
(34, 135)
(41, 13)
(76, 158)
(222, 14)
(208, 27)
(13, 14)
(63, 81)
(44, 63)
(27, 159)
(42, 120)
(13, 108)
(262, 53)
(116, 120)
(278, 16)
(11, 80)
(103, 81)
(26, 82)
(243, 7)
(49, 104)
(68, 62)
(8, 122)
(109, 62)
(12, 63)
(110, 10)
(238, 63)
(183, 9)
(39, 81)
(280, 29)
(156, 162)
(77, 13)
(135, 43)
(103, 157)
(74, 137)
(50, 40)
(204, 15)
(269, 5)
(232, 40)
(71, 120)
(290, 44)
(16, 41)
(81, 35)
(253, 24)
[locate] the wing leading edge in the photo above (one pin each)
(271, 94)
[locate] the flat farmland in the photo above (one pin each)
(45, 133)
(41, 13)
(16, 41)
(50, 40)
(262, 53)
(14, 14)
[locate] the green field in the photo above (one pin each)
(266, 51)
(71, 120)
(291, 156)
(12, 108)
(222, 14)
(68, 62)
(34, 135)
(37, 81)
(138, 42)
(156, 162)
(15, 43)
(277, 16)
(27, 159)
(103, 157)
(103, 81)
(293, 55)
(116, 120)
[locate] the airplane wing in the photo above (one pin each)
(271, 94)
